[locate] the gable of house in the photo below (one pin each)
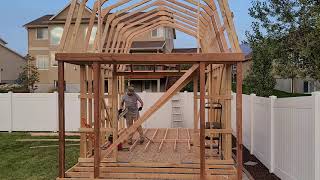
(63, 14)
(10, 64)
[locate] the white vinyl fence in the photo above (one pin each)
(39, 111)
(284, 133)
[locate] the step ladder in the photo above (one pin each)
(177, 112)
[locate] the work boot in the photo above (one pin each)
(130, 142)
(141, 140)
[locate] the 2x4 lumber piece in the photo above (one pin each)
(239, 121)
(61, 119)
(136, 141)
(83, 110)
(218, 131)
(195, 103)
(175, 141)
(217, 97)
(189, 138)
(211, 164)
(67, 25)
(78, 22)
(180, 83)
(46, 140)
(48, 146)
(202, 120)
(142, 175)
(162, 141)
(228, 139)
(157, 73)
(115, 108)
(151, 140)
(97, 121)
(90, 96)
(91, 130)
(36, 134)
(178, 58)
(166, 170)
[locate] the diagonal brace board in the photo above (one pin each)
(162, 100)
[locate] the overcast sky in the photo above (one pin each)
(14, 14)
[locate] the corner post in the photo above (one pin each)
(202, 119)
(83, 111)
(239, 121)
(115, 107)
(96, 81)
(61, 88)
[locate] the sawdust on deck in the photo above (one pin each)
(167, 153)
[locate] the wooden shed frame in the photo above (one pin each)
(212, 67)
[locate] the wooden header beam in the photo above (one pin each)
(173, 58)
(151, 73)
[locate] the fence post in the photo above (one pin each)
(11, 111)
(272, 136)
(316, 113)
(252, 97)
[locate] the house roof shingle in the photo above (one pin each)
(44, 20)
(3, 41)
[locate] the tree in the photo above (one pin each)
(260, 79)
(29, 74)
(291, 28)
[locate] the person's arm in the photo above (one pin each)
(140, 100)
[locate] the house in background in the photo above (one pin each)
(297, 85)
(10, 63)
(44, 36)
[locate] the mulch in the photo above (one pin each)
(259, 171)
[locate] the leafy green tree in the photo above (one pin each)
(289, 31)
(260, 79)
(29, 74)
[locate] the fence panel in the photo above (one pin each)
(262, 129)
(282, 133)
(246, 123)
(72, 111)
(34, 112)
(294, 138)
(5, 111)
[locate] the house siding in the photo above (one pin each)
(45, 47)
(10, 65)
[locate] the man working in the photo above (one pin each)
(130, 100)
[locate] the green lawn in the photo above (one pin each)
(18, 161)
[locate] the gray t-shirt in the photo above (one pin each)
(131, 102)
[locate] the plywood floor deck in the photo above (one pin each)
(170, 155)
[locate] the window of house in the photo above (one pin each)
(42, 62)
(156, 33)
(55, 35)
(92, 35)
(54, 63)
(42, 33)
